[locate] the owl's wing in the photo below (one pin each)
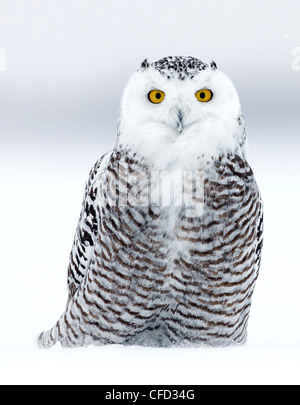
(260, 229)
(87, 229)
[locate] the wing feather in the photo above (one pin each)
(87, 229)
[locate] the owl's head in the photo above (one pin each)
(179, 109)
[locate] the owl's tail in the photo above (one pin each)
(67, 331)
(49, 338)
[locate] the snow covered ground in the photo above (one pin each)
(42, 190)
(255, 364)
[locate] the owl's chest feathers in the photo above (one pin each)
(166, 241)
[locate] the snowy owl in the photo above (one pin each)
(168, 245)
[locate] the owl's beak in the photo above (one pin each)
(179, 121)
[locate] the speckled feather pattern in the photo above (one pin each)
(181, 68)
(141, 271)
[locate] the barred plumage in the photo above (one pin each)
(150, 274)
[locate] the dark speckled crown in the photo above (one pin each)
(180, 67)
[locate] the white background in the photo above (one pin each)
(67, 63)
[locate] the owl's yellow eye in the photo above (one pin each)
(204, 95)
(156, 96)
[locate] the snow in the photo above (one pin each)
(254, 364)
(43, 189)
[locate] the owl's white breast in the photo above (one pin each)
(168, 150)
